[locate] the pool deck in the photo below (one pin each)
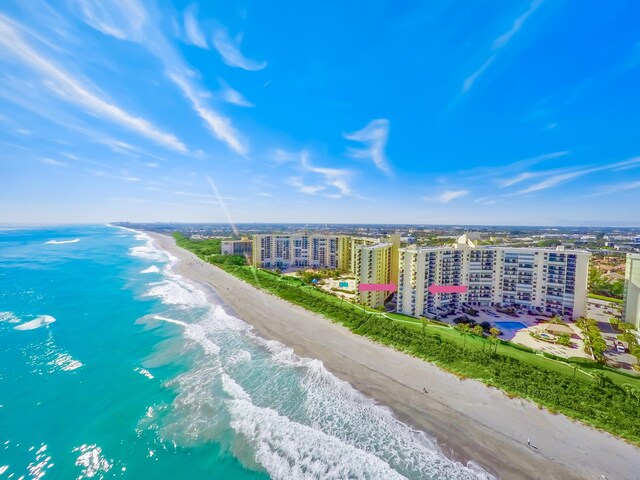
(523, 337)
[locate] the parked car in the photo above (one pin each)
(620, 348)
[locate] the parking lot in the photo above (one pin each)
(601, 311)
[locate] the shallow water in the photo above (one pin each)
(113, 366)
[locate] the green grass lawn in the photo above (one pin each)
(606, 299)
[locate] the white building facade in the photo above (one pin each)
(237, 247)
(632, 290)
(545, 280)
(298, 250)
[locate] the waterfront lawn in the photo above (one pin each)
(606, 299)
(597, 395)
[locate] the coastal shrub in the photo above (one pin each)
(227, 259)
(597, 401)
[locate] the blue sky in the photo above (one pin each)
(488, 112)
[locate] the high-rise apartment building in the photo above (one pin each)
(298, 250)
(375, 263)
(632, 290)
(546, 280)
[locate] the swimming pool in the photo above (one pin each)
(510, 325)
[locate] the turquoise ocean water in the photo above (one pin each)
(111, 366)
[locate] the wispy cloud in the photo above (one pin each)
(515, 168)
(558, 179)
(232, 96)
(218, 125)
(73, 90)
(194, 35)
(329, 182)
(447, 196)
(336, 177)
(374, 136)
(55, 163)
(146, 33)
(617, 188)
(521, 177)
(122, 19)
(308, 189)
(500, 43)
(229, 50)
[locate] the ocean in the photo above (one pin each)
(112, 366)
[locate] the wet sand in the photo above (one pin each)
(469, 420)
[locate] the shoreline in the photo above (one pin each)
(469, 420)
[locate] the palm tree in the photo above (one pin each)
(464, 329)
(494, 332)
(599, 377)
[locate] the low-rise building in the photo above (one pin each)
(546, 280)
(237, 247)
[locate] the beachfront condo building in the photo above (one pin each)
(371, 260)
(632, 290)
(237, 247)
(298, 250)
(540, 279)
(375, 263)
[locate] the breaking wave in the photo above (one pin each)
(61, 242)
(41, 321)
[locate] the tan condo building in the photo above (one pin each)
(374, 261)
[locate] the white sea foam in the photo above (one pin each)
(92, 461)
(288, 449)
(39, 466)
(240, 356)
(151, 269)
(148, 252)
(144, 372)
(178, 293)
(9, 317)
(41, 321)
(65, 362)
(61, 242)
(195, 332)
(47, 358)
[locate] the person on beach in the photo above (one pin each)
(528, 442)
(424, 390)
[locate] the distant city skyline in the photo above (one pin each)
(455, 113)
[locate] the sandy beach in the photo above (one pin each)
(469, 420)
